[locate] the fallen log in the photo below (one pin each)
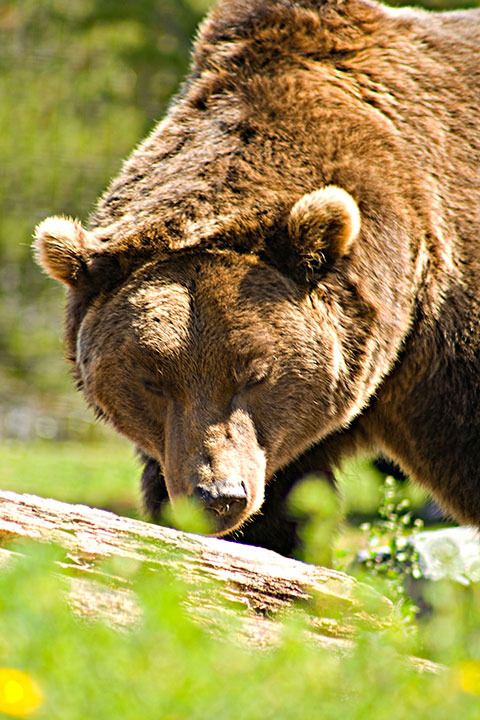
(264, 584)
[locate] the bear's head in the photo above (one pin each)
(213, 362)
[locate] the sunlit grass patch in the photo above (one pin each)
(104, 474)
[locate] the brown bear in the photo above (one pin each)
(287, 270)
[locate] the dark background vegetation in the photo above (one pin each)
(81, 83)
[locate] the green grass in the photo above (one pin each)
(104, 474)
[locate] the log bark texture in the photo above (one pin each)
(265, 584)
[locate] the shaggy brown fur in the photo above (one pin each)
(286, 271)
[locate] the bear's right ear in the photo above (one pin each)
(322, 227)
(63, 248)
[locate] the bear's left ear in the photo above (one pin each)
(322, 226)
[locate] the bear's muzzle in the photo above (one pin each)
(224, 501)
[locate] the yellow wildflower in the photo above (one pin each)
(19, 693)
(468, 676)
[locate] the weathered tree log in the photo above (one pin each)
(264, 583)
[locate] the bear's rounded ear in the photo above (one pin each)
(63, 248)
(323, 225)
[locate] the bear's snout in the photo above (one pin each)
(224, 500)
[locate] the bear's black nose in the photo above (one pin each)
(223, 498)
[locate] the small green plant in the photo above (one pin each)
(390, 553)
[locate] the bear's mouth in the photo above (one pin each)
(224, 504)
(225, 523)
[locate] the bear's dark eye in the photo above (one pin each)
(250, 373)
(253, 383)
(256, 379)
(154, 388)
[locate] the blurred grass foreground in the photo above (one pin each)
(81, 82)
(165, 664)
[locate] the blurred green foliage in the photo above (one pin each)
(166, 665)
(315, 504)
